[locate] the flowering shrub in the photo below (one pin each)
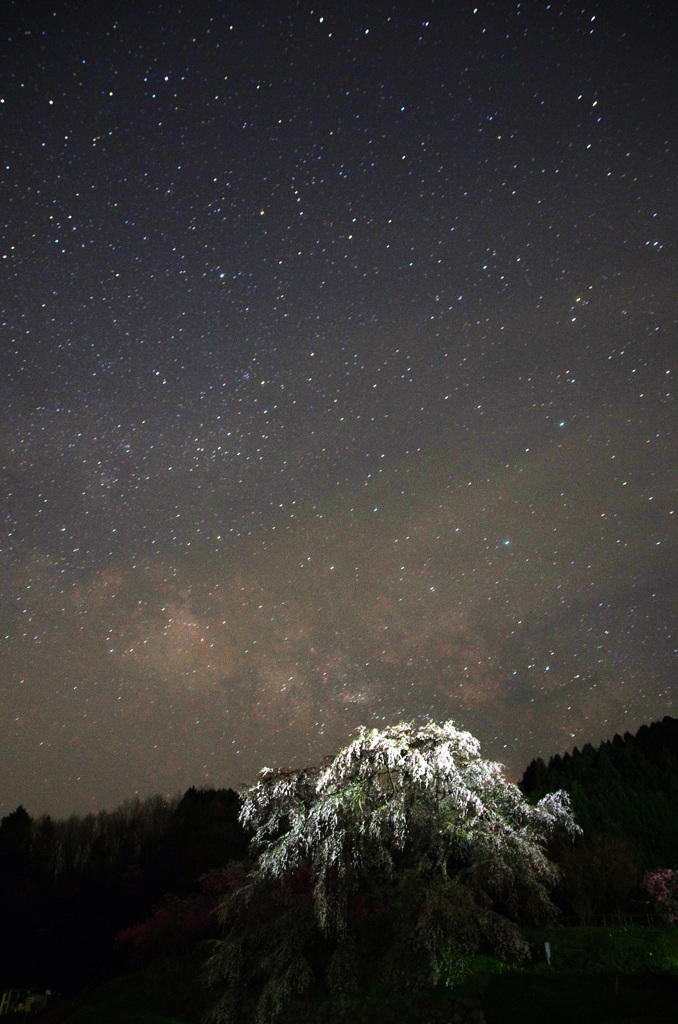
(177, 922)
(662, 887)
(173, 926)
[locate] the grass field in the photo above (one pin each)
(597, 976)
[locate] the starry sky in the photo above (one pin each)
(338, 354)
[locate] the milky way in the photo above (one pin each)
(338, 352)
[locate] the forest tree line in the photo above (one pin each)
(627, 789)
(67, 887)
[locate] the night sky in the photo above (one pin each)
(336, 384)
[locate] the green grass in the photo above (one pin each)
(625, 975)
(597, 976)
(631, 949)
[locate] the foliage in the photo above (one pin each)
(598, 877)
(626, 788)
(422, 795)
(270, 930)
(406, 835)
(173, 926)
(179, 922)
(68, 886)
(662, 887)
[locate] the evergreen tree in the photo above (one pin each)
(626, 789)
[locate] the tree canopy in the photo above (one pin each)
(410, 818)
